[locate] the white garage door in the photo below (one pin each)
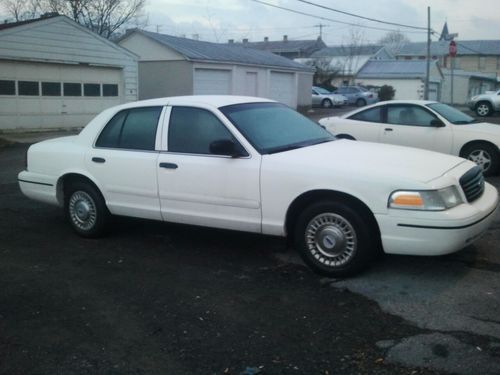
(38, 95)
(283, 88)
(212, 82)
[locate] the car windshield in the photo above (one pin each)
(273, 127)
(451, 114)
(321, 90)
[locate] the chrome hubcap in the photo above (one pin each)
(82, 210)
(331, 239)
(481, 158)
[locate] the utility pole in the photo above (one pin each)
(321, 29)
(428, 68)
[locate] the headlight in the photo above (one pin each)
(426, 200)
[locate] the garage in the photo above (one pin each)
(212, 82)
(55, 74)
(282, 88)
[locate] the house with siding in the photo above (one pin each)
(347, 60)
(406, 77)
(171, 66)
(55, 73)
(291, 49)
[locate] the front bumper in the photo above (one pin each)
(438, 233)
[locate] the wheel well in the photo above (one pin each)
(306, 199)
(345, 136)
(484, 101)
(327, 100)
(65, 180)
(462, 150)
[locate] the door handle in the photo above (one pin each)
(168, 165)
(98, 160)
(388, 129)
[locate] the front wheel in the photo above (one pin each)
(333, 239)
(85, 209)
(327, 103)
(360, 103)
(483, 109)
(484, 155)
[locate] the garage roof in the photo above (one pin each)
(394, 69)
(441, 48)
(196, 50)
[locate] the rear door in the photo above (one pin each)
(124, 162)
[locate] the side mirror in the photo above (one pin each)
(226, 147)
(437, 123)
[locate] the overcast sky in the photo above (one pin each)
(220, 20)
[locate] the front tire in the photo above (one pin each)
(333, 239)
(86, 209)
(483, 109)
(484, 155)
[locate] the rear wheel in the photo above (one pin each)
(333, 239)
(483, 109)
(360, 103)
(327, 103)
(85, 209)
(484, 155)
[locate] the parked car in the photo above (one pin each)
(485, 104)
(423, 124)
(357, 95)
(258, 166)
(326, 99)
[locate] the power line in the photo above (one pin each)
(362, 17)
(330, 19)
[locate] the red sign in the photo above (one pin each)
(453, 48)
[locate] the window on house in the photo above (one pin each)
(51, 89)
(7, 87)
(72, 89)
(30, 88)
(92, 89)
(109, 89)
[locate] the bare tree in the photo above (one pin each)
(323, 72)
(104, 17)
(394, 40)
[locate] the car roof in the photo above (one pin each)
(210, 100)
(416, 102)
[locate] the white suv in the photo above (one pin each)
(255, 165)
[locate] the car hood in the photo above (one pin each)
(369, 161)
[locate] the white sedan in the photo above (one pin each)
(255, 165)
(422, 124)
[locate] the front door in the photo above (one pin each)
(413, 126)
(199, 187)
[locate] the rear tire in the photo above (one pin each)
(86, 209)
(484, 155)
(333, 239)
(326, 103)
(360, 103)
(483, 109)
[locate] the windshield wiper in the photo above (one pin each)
(295, 146)
(464, 122)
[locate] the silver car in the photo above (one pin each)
(357, 95)
(326, 99)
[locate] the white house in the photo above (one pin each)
(407, 77)
(171, 66)
(55, 73)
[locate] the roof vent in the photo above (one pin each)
(285, 38)
(245, 40)
(266, 39)
(230, 41)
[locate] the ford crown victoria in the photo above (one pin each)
(255, 165)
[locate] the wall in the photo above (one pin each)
(159, 79)
(304, 87)
(148, 49)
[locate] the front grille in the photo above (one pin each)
(472, 183)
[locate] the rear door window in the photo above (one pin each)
(369, 115)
